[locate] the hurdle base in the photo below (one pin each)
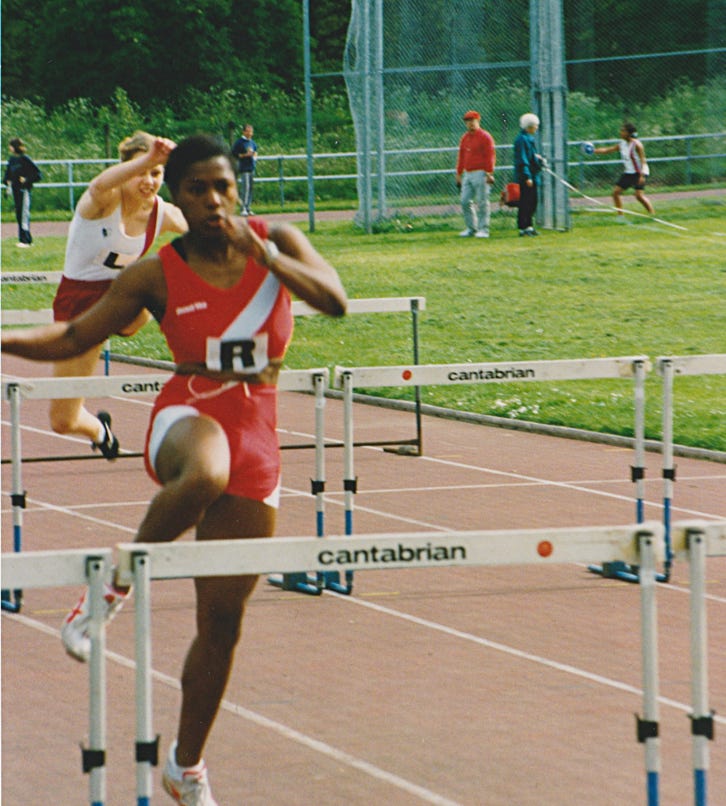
(299, 582)
(624, 571)
(12, 601)
(404, 450)
(331, 580)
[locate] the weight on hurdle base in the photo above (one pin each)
(299, 582)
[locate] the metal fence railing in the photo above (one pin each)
(687, 152)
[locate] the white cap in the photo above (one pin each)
(528, 119)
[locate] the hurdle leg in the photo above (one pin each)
(618, 569)
(147, 745)
(701, 718)
(669, 471)
(417, 390)
(94, 756)
(12, 600)
(647, 726)
(318, 483)
(332, 578)
(301, 581)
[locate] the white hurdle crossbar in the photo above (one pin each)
(668, 367)
(414, 305)
(635, 367)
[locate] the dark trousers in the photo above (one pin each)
(527, 205)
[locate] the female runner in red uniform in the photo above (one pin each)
(221, 294)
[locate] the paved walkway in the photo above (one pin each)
(46, 228)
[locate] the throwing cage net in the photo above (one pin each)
(413, 67)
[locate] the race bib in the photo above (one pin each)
(243, 356)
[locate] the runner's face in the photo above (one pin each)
(148, 184)
(207, 195)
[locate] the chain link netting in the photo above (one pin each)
(413, 67)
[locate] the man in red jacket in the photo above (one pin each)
(475, 175)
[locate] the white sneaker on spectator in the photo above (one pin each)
(466, 233)
(482, 233)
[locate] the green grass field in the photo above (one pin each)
(601, 290)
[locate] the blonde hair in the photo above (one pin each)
(132, 146)
(528, 119)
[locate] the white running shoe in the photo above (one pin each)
(186, 787)
(466, 233)
(482, 233)
(74, 632)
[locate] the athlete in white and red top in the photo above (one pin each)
(635, 167)
(221, 294)
(115, 222)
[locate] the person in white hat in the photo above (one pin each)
(527, 167)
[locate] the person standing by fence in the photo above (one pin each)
(527, 167)
(21, 174)
(474, 176)
(245, 149)
(116, 221)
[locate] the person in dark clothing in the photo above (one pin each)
(245, 149)
(21, 174)
(527, 167)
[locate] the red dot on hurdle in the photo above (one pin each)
(544, 548)
(407, 374)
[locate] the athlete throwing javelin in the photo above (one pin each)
(221, 295)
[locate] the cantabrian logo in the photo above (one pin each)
(375, 555)
(141, 387)
(496, 374)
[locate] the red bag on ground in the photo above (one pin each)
(510, 195)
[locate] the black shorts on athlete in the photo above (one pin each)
(631, 181)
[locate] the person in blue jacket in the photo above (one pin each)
(21, 174)
(245, 149)
(527, 167)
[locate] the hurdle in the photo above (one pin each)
(635, 367)
(668, 367)
(43, 316)
(52, 569)
(695, 541)
(139, 564)
(127, 386)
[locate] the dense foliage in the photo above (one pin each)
(158, 50)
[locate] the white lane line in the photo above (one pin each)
(512, 651)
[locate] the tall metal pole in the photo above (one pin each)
(365, 155)
(380, 98)
(308, 114)
(549, 93)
